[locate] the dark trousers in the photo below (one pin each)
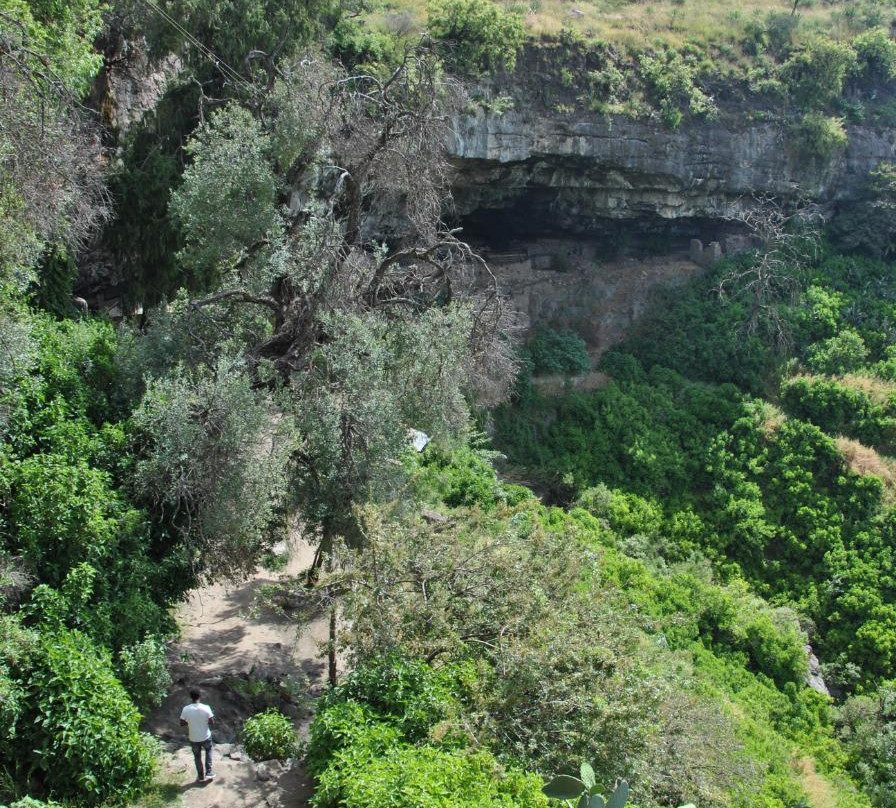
(198, 746)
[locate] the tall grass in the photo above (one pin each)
(633, 25)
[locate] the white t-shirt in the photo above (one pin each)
(197, 715)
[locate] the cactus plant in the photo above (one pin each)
(582, 790)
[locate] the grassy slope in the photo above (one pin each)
(633, 25)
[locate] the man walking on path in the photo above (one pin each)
(199, 718)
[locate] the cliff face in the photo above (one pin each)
(586, 174)
(586, 214)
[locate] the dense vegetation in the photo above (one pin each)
(725, 498)
(772, 465)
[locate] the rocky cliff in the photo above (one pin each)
(535, 170)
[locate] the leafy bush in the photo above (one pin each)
(144, 673)
(78, 729)
(269, 736)
(462, 477)
(815, 74)
(876, 55)
(670, 80)
(408, 693)
(840, 409)
(818, 136)
(359, 48)
(482, 36)
(843, 353)
(233, 28)
(867, 725)
(30, 802)
(227, 201)
(561, 352)
(359, 748)
(344, 724)
(408, 777)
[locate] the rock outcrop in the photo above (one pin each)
(537, 170)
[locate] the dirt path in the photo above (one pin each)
(243, 659)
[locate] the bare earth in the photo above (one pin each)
(224, 640)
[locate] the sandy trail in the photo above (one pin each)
(225, 639)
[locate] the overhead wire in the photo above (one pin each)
(207, 52)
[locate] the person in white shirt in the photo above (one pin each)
(199, 719)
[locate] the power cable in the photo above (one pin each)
(225, 68)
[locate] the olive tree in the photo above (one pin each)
(213, 464)
(321, 241)
(564, 669)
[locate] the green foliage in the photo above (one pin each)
(78, 730)
(358, 48)
(841, 410)
(233, 28)
(760, 494)
(640, 434)
(59, 35)
(844, 352)
(269, 736)
(226, 206)
(344, 724)
(867, 725)
(64, 508)
(143, 670)
(585, 790)
(409, 694)
(362, 742)
(143, 237)
(561, 352)
(407, 776)
(30, 802)
(55, 281)
(671, 82)
(461, 477)
(703, 337)
(198, 434)
(876, 55)
(482, 37)
(818, 137)
(816, 72)
(17, 644)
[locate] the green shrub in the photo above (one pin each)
(409, 693)
(819, 137)
(462, 477)
(411, 777)
(670, 81)
(816, 72)
(867, 726)
(560, 352)
(843, 353)
(777, 33)
(30, 802)
(876, 55)
(144, 673)
(78, 729)
(840, 410)
(481, 35)
(269, 736)
(343, 724)
(359, 48)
